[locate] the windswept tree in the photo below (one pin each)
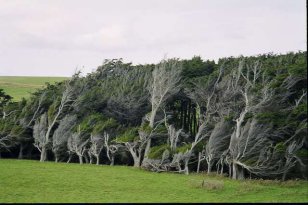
(96, 147)
(127, 102)
(4, 100)
(217, 144)
(243, 86)
(54, 113)
(77, 144)
(39, 135)
(61, 135)
(135, 144)
(165, 83)
(111, 148)
(6, 138)
(99, 135)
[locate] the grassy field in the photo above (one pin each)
(19, 86)
(32, 181)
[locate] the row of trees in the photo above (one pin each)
(244, 116)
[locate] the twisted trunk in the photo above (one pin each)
(238, 172)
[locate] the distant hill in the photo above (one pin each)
(21, 86)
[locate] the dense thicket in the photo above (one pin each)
(243, 116)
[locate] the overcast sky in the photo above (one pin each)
(54, 37)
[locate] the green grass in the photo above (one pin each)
(21, 86)
(32, 181)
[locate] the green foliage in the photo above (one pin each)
(276, 118)
(298, 69)
(145, 127)
(200, 146)
(52, 111)
(248, 116)
(6, 126)
(4, 98)
(302, 153)
(300, 111)
(105, 125)
(280, 147)
(88, 123)
(229, 118)
(157, 151)
(183, 148)
(197, 67)
(278, 80)
(129, 135)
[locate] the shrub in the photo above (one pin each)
(212, 184)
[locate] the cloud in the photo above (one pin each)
(53, 36)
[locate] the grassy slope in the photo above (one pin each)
(19, 86)
(32, 181)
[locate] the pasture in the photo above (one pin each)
(33, 181)
(21, 86)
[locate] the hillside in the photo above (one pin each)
(32, 182)
(21, 86)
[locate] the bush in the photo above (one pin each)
(212, 185)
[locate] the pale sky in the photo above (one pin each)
(54, 37)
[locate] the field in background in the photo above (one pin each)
(21, 86)
(34, 181)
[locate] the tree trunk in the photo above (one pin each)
(199, 159)
(20, 155)
(222, 169)
(136, 162)
(238, 172)
(147, 148)
(209, 167)
(69, 158)
(195, 121)
(97, 160)
(284, 176)
(43, 154)
(185, 116)
(80, 159)
(186, 167)
(152, 117)
(182, 115)
(91, 158)
(86, 159)
(112, 161)
(56, 159)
